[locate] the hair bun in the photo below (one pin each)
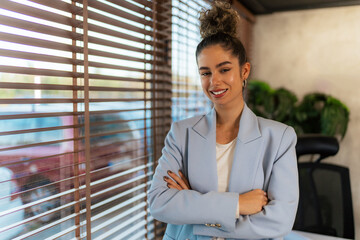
(219, 18)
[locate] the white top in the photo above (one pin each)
(224, 160)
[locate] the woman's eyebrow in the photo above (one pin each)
(204, 68)
(222, 63)
(217, 65)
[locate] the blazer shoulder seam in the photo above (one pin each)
(281, 142)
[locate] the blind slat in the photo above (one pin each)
(68, 100)
(44, 227)
(24, 161)
(114, 33)
(37, 71)
(27, 220)
(39, 28)
(38, 130)
(61, 5)
(134, 227)
(37, 144)
(37, 115)
(122, 194)
(66, 231)
(124, 223)
(126, 68)
(38, 13)
(56, 114)
(38, 57)
(46, 44)
(133, 7)
(45, 199)
(122, 184)
(125, 79)
(10, 85)
(114, 22)
(100, 53)
(114, 176)
(100, 41)
(118, 12)
(108, 211)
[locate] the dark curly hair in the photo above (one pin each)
(218, 25)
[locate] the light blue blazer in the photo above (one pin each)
(264, 158)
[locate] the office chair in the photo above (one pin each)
(325, 204)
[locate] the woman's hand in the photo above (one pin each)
(176, 182)
(252, 202)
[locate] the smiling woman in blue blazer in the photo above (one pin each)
(227, 174)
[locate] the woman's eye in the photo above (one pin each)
(204, 74)
(225, 70)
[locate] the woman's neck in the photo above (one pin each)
(227, 117)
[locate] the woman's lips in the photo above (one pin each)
(218, 92)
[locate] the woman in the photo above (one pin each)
(227, 174)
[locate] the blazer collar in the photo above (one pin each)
(248, 126)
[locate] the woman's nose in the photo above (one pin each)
(215, 79)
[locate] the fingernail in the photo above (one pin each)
(165, 178)
(169, 171)
(168, 185)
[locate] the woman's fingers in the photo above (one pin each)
(265, 198)
(172, 184)
(184, 179)
(176, 182)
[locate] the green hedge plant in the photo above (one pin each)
(317, 113)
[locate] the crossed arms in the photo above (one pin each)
(261, 216)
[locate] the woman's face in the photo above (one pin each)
(221, 76)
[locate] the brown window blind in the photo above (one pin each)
(188, 98)
(85, 103)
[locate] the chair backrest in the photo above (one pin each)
(317, 144)
(325, 205)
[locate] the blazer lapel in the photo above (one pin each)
(202, 169)
(245, 162)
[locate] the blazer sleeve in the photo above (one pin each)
(187, 206)
(277, 218)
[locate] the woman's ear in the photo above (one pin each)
(245, 70)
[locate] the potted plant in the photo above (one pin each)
(316, 113)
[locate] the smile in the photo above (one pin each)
(218, 93)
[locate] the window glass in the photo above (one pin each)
(188, 98)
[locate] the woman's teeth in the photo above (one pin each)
(219, 92)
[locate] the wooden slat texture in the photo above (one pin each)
(46, 44)
(38, 13)
(100, 73)
(39, 28)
